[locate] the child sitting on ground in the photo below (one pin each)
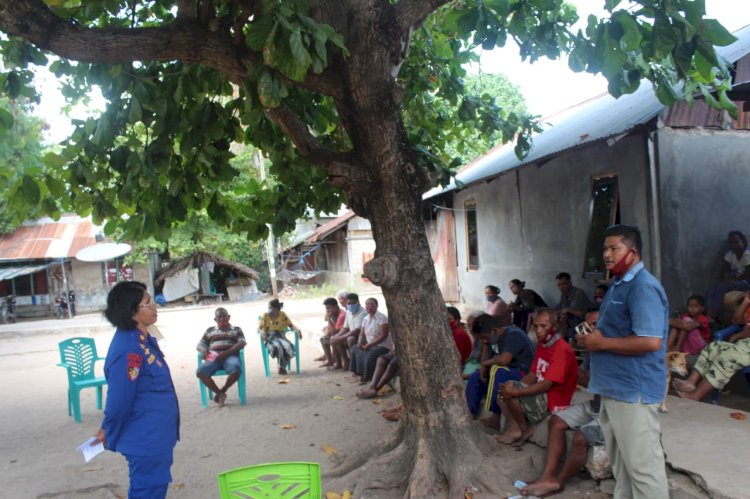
(691, 331)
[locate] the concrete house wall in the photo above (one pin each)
(533, 222)
(705, 193)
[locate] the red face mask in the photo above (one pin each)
(550, 333)
(621, 266)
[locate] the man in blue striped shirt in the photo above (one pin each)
(219, 347)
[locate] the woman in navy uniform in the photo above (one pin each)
(141, 416)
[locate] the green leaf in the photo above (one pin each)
(666, 93)
(29, 190)
(271, 54)
(683, 58)
(13, 85)
(103, 134)
(726, 103)
(6, 119)
(53, 161)
(268, 91)
(704, 67)
(500, 7)
(544, 5)
(715, 33)
(664, 37)
(136, 112)
(302, 59)
(631, 35)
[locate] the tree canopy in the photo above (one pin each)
(20, 160)
(183, 80)
(355, 100)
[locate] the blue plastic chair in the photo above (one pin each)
(267, 355)
(274, 480)
(241, 387)
(78, 356)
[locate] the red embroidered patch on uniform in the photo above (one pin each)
(134, 366)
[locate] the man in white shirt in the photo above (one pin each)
(344, 339)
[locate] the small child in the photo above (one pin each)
(691, 332)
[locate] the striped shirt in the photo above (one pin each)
(219, 341)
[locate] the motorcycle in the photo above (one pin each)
(63, 303)
(9, 310)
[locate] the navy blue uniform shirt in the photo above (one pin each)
(141, 415)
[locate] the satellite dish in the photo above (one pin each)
(101, 252)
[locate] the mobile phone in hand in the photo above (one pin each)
(583, 328)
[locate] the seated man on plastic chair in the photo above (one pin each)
(220, 346)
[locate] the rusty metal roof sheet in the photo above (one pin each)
(595, 119)
(329, 227)
(47, 239)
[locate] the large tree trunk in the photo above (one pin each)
(435, 453)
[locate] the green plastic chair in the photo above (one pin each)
(78, 356)
(267, 355)
(273, 480)
(241, 387)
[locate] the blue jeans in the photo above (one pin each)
(230, 365)
(476, 389)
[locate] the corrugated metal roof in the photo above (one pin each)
(7, 273)
(700, 114)
(47, 239)
(324, 230)
(595, 119)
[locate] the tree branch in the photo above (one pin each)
(307, 144)
(186, 9)
(339, 165)
(412, 12)
(186, 41)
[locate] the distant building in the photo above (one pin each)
(679, 172)
(37, 264)
(332, 252)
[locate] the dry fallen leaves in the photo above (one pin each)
(337, 397)
(333, 495)
(377, 401)
(177, 486)
(288, 426)
(738, 416)
(328, 449)
(384, 390)
(284, 381)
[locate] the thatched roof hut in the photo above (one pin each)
(197, 259)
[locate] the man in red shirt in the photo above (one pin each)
(547, 388)
(334, 323)
(460, 336)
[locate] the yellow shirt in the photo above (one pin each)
(279, 323)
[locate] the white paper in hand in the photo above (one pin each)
(90, 451)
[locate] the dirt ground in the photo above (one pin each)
(38, 439)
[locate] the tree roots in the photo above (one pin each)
(411, 466)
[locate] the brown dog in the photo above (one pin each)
(676, 363)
